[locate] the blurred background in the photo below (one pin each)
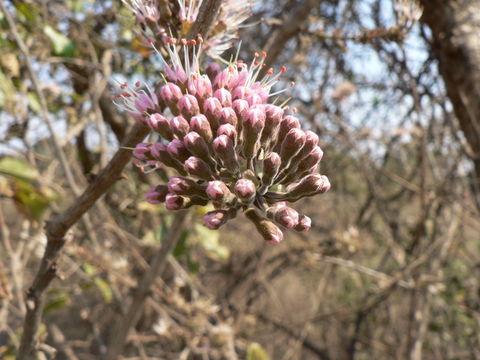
(390, 268)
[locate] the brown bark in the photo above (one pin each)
(455, 26)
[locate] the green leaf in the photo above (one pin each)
(58, 302)
(28, 11)
(18, 169)
(255, 351)
(62, 46)
(104, 288)
(34, 102)
(33, 201)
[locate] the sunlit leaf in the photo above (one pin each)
(255, 351)
(104, 288)
(62, 46)
(34, 102)
(57, 302)
(18, 169)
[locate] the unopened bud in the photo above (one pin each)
(142, 151)
(228, 130)
(171, 94)
(188, 106)
(174, 202)
(176, 148)
(221, 79)
(157, 194)
(161, 125)
(254, 99)
(245, 190)
(201, 126)
(291, 145)
(304, 224)
(224, 96)
(200, 87)
(269, 231)
(224, 150)
(288, 123)
(198, 168)
(241, 107)
(216, 218)
(271, 166)
(273, 116)
(196, 145)
(252, 129)
(179, 126)
(287, 217)
(228, 116)
(160, 153)
(184, 186)
(217, 190)
(310, 185)
(211, 109)
(312, 159)
(238, 79)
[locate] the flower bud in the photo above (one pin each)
(245, 190)
(174, 202)
(196, 145)
(160, 153)
(252, 130)
(198, 168)
(157, 194)
(288, 122)
(312, 159)
(171, 94)
(179, 126)
(188, 106)
(142, 151)
(291, 145)
(271, 166)
(217, 190)
(224, 96)
(241, 92)
(287, 217)
(225, 152)
(311, 141)
(176, 75)
(176, 148)
(228, 130)
(270, 232)
(211, 109)
(221, 79)
(241, 107)
(228, 116)
(273, 120)
(304, 224)
(308, 186)
(254, 99)
(184, 186)
(161, 125)
(200, 87)
(201, 126)
(216, 218)
(238, 79)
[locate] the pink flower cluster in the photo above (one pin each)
(227, 144)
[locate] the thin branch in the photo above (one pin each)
(56, 230)
(158, 265)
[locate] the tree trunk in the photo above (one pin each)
(455, 26)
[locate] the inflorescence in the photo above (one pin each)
(228, 145)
